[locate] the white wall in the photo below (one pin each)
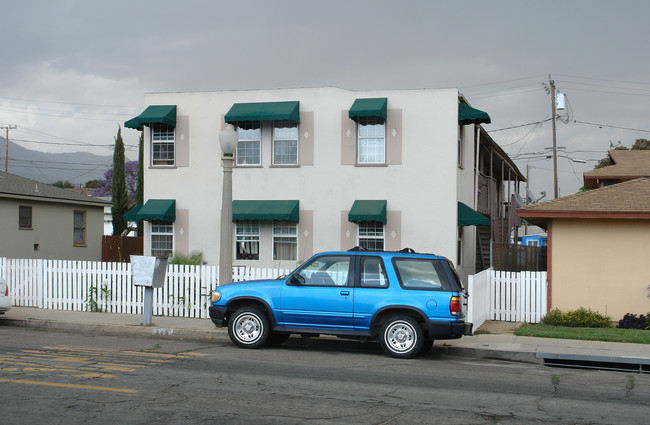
(423, 188)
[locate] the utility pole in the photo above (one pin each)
(7, 128)
(553, 111)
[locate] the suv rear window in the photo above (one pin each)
(422, 274)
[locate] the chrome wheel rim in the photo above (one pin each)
(248, 328)
(400, 336)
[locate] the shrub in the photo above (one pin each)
(195, 258)
(632, 321)
(580, 318)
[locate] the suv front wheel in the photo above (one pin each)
(401, 337)
(248, 328)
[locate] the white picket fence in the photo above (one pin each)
(506, 296)
(93, 286)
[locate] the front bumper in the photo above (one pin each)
(217, 315)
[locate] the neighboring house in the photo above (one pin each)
(321, 169)
(43, 221)
(626, 165)
(598, 245)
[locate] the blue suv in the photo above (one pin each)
(404, 299)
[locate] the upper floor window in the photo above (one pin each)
(79, 232)
(285, 143)
(162, 238)
(162, 144)
(24, 217)
(371, 144)
(371, 235)
(460, 146)
(249, 146)
(247, 238)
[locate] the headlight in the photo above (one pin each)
(216, 295)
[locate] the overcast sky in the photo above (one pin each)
(74, 70)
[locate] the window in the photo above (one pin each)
(285, 143)
(285, 241)
(247, 237)
(162, 238)
(421, 274)
(326, 271)
(372, 141)
(373, 273)
(79, 232)
(460, 146)
(459, 247)
(162, 144)
(24, 217)
(371, 235)
(249, 144)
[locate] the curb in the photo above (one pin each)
(117, 330)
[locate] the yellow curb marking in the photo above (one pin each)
(82, 387)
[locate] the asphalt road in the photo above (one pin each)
(64, 378)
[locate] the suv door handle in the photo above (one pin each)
(345, 292)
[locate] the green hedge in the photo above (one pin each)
(580, 318)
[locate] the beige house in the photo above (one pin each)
(626, 165)
(598, 244)
(43, 221)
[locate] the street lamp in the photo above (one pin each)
(228, 140)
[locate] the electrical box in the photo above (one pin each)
(148, 271)
(560, 99)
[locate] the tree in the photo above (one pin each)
(118, 187)
(639, 145)
(92, 184)
(63, 184)
(139, 195)
(105, 184)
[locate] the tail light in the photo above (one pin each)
(454, 305)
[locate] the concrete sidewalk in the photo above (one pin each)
(494, 340)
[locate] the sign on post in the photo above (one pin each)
(150, 273)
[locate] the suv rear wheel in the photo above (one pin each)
(401, 337)
(248, 328)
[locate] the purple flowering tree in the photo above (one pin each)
(104, 185)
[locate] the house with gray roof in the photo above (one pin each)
(598, 244)
(43, 221)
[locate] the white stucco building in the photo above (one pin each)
(308, 162)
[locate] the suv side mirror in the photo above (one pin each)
(295, 280)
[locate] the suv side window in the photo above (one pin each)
(373, 273)
(416, 273)
(326, 271)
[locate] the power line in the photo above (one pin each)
(71, 103)
(611, 126)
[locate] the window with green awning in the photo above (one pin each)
(373, 107)
(469, 115)
(266, 210)
(132, 214)
(368, 210)
(468, 217)
(154, 114)
(264, 111)
(157, 210)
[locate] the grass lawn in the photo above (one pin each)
(541, 330)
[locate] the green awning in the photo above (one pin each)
(375, 107)
(469, 217)
(158, 210)
(265, 210)
(132, 214)
(264, 111)
(469, 115)
(368, 211)
(154, 114)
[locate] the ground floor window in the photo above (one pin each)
(79, 233)
(371, 235)
(459, 247)
(162, 238)
(285, 241)
(247, 239)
